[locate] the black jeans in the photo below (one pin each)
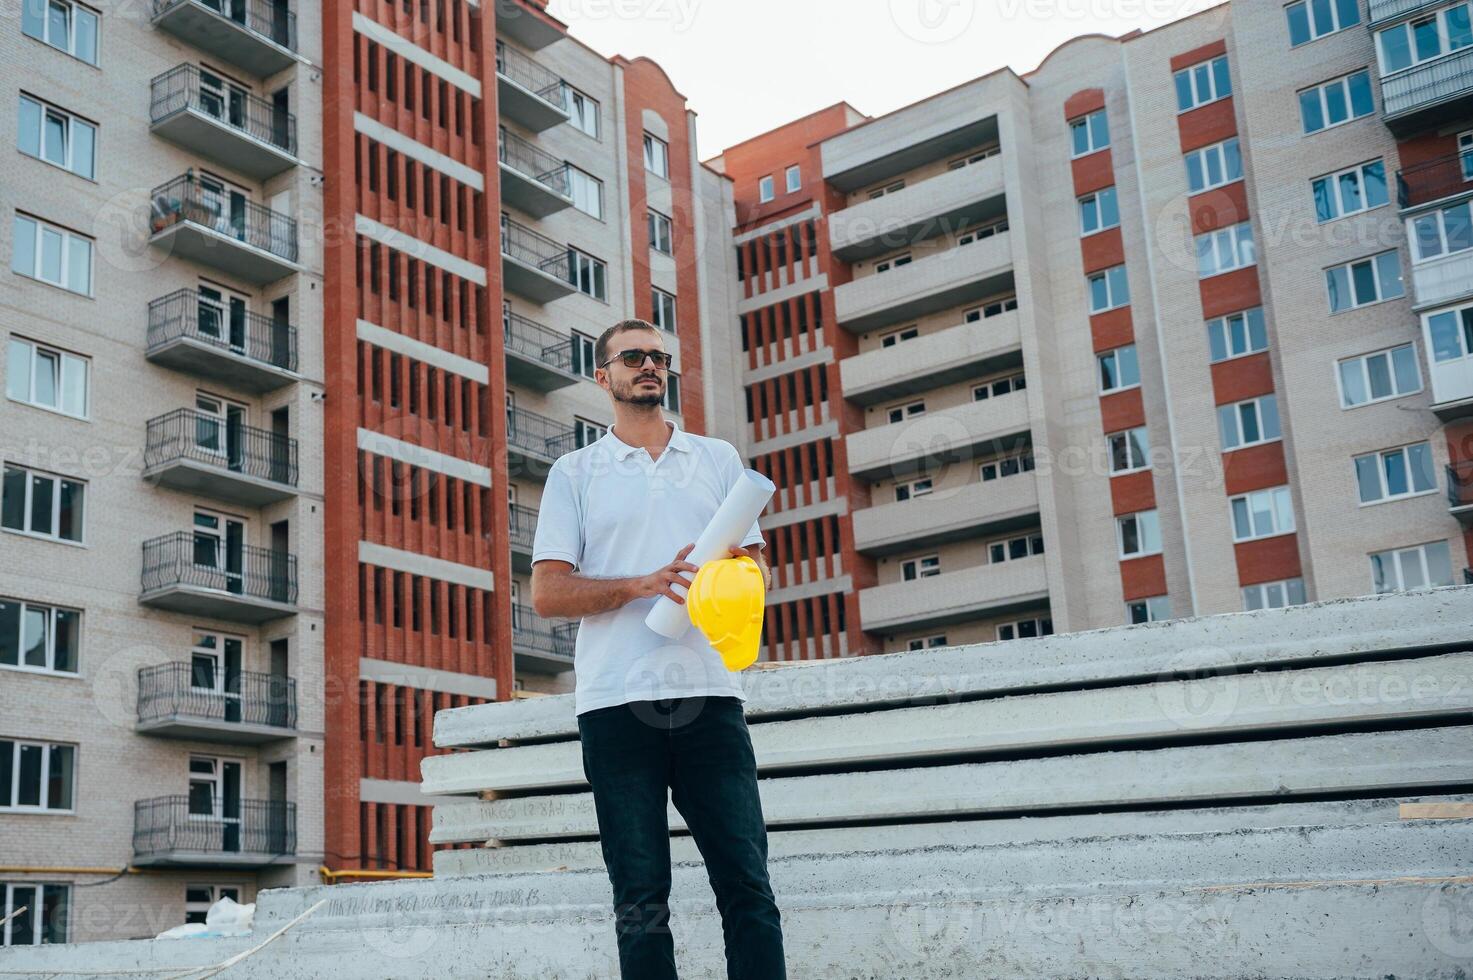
(699, 749)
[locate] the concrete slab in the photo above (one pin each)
(1435, 619)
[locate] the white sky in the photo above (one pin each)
(749, 65)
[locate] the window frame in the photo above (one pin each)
(1242, 238)
(38, 253)
(27, 505)
(71, 119)
(1364, 361)
(584, 344)
(911, 491)
(1251, 324)
(1281, 502)
(1142, 533)
(1137, 445)
(796, 170)
(597, 186)
(891, 338)
(595, 265)
(69, 48)
(905, 409)
(1114, 354)
(1032, 542)
(1376, 266)
(62, 357)
(1084, 124)
(1105, 276)
(1286, 586)
(925, 566)
(1379, 459)
(1096, 200)
(1444, 40)
(39, 930)
(653, 143)
(44, 782)
(671, 399)
(1204, 153)
(1440, 215)
(51, 612)
(1322, 88)
(766, 189)
(1042, 625)
(1151, 606)
(1334, 197)
(1237, 412)
(1190, 73)
(917, 644)
(1462, 332)
(1308, 8)
(571, 94)
(1395, 555)
(660, 301)
(658, 222)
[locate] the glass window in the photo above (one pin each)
(1248, 423)
(39, 637)
(1336, 102)
(766, 189)
(36, 775)
(1311, 19)
(1119, 369)
(1442, 232)
(589, 274)
(1214, 166)
(1090, 133)
(1423, 566)
(1351, 191)
(656, 156)
(57, 136)
(1225, 250)
(47, 915)
(1108, 290)
(664, 309)
(52, 255)
(46, 378)
(661, 233)
(1374, 377)
(1129, 450)
(1098, 211)
(1236, 335)
(1203, 83)
(582, 110)
(1450, 333)
(1274, 595)
(70, 27)
(1139, 534)
(1262, 514)
(795, 179)
(1424, 39)
(41, 504)
(1394, 473)
(587, 192)
(1152, 610)
(1364, 281)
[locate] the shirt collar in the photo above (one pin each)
(680, 441)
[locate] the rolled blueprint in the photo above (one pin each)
(732, 521)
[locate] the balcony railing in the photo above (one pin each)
(176, 691)
(183, 314)
(186, 434)
(1384, 10)
(530, 248)
(527, 73)
(523, 527)
(1433, 180)
(538, 434)
(1449, 77)
(187, 198)
(262, 17)
(1460, 485)
(169, 824)
(195, 561)
(533, 633)
(534, 340)
(525, 158)
(179, 89)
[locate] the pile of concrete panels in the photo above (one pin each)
(1278, 793)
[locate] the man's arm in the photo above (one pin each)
(755, 552)
(560, 592)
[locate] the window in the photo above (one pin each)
(972, 158)
(1336, 102)
(1312, 19)
(1089, 134)
(586, 433)
(1236, 335)
(1152, 610)
(70, 27)
(46, 916)
(795, 179)
(894, 262)
(901, 412)
(766, 189)
(1350, 191)
(1395, 473)
(977, 234)
(583, 347)
(57, 136)
(36, 776)
(1108, 290)
(998, 387)
(1364, 282)
(1374, 377)
(914, 568)
(672, 391)
(926, 643)
(661, 233)
(1139, 534)
(1262, 514)
(1224, 250)
(587, 192)
(1424, 39)
(1015, 548)
(1119, 369)
(1465, 154)
(995, 308)
(1129, 450)
(589, 274)
(46, 378)
(1023, 629)
(890, 188)
(50, 254)
(1003, 466)
(1421, 567)
(1203, 83)
(1248, 423)
(656, 156)
(199, 898)
(1098, 211)
(912, 489)
(1274, 595)
(41, 504)
(1442, 232)
(1450, 334)
(664, 309)
(582, 110)
(37, 637)
(1213, 166)
(896, 336)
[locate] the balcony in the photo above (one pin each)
(955, 597)
(963, 434)
(526, 23)
(1460, 491)
(202, 576)
(523, 531)
(242, 707)
(1429, 94)
(245, 133)
(534, 442)
(540, 645)
(939, 281)
(941, 205)
(528, 93)
(1447, 336)
(218, 458)
(948, 515)
(1445, 279)
(258, 36)
(195, 219)
(537, 357)
(532, 181)
(534, 266)
(228, 832)
(245, 350)
(1381, 12)
(969, 350)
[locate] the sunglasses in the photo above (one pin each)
(633, 358)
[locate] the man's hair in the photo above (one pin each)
(601, 346)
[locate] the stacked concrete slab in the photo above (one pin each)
(1280, 793)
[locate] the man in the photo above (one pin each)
(654, 714)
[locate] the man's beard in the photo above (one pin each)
(634, 394)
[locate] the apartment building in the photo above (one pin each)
(161, 616)
(1178, 323)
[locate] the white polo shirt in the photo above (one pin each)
(612, 512)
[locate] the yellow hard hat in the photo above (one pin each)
(725, 601)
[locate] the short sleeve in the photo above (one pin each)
(733, 473)
(559, 521)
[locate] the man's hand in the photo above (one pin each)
(659, 582)
(754, 552)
